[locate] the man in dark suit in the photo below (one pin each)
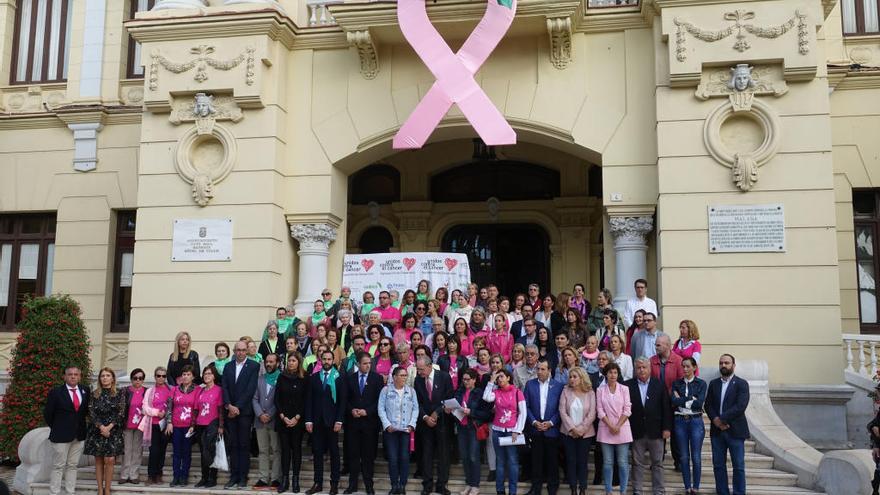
(726, 404)
(362, 389)
(519, 329)
(432, 388)
(325, 408)
(239, 386)
(67, 407)
(651, 425)
(542, 428)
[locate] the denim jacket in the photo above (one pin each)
(396, 411)
(697, 390)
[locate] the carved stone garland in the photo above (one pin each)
(367, 52)
(559, 29)
(740, 27)
(201, 63)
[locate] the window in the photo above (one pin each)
(379, 183)
(505, 180)
(866, 217)
(135, 65)
(860, 17)
(27, 256)
(123, 271)
(42, 41)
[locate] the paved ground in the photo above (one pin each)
(6, 474)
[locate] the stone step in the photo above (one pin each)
(413, 488)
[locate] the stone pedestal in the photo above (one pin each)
(314, 248)
(630, 236)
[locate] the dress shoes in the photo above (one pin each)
(334, 488)
(261, 484)
(349, 490)
(232, 483)
(316, 488)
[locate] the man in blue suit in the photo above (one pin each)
(239, 386)
(325, 409)
(542, 428)
(726, 404)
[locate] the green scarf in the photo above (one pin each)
(256, 358)
(311, 358)
(272, 378)
(332, 379)
(366, 308)
(318, 318)
(283, 325)
(220, 363)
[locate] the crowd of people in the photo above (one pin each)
(539, 383)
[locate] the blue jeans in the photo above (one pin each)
(469, 450)
(689, 435)
(621, 452)
(576, 453)
(721, 443)
(506, 462)
(397, 448)
(182, 457)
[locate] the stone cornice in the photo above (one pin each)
(859, 80)
(71, 115)
(313, 218)
(615, 19)
(630, 210)
(271, 23)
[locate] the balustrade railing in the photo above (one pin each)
(319, 14)
(861, 353)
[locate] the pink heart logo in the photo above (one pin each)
(450, 263)
(367, 264)
(409, 263)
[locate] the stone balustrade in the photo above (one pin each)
(319, 14)
(861, 353)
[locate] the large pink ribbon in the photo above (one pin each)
(455, 75)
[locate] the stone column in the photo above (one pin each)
(314, 247)
(630, 253)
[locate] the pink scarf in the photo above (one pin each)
(150, 412)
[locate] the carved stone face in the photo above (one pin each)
(204, 105)
(741, 79)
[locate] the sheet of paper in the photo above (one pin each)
(451, 404)
(508, 441)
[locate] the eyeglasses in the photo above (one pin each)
(140, 378)
(160, 376)
(325, 293)
(384, 344)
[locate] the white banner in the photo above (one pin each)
(401, 271)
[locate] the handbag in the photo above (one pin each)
(220, 461)
(483, 431)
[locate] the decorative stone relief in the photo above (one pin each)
(116, 355)
(740, 27)
(34, 100)
(630, 229)
(559, 29)
(204, 110)
(493, 204)
(133, 96)
(744, 132)
(761, 80)
(861, 55)
(367, 52)
(201, 63)
(313, 235)
(373, 210)
(207, 152)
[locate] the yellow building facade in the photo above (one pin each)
(630, 128)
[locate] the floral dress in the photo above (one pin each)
(104, 410)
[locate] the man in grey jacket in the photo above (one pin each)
(264, 424)
(643, 341)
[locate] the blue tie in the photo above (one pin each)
(363, 379)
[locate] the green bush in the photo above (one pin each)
(52, 336)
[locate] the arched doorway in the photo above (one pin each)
(509, 255)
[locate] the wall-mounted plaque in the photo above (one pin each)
(746, 228)
(197, 239)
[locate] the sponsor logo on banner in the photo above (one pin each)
(367, 264)
(409, 263)
(450, 263)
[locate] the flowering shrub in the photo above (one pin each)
(52, 336)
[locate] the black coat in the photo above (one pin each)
(517, 329)
(655, 416)
(175, 368)
(280, 348)
(442, 390)
(461, 364)
(320, 408)
(481, 411)
(736, 400)
(65, 423)
(290, 399)
(369, 401)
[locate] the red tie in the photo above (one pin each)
(75, 399)
(429, 386)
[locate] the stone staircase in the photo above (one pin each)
(762, 478)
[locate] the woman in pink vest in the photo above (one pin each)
(181, 418)
(613, 409)
(209, 423)
(500, 340)
(510, 418)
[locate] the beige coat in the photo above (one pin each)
(585, 427)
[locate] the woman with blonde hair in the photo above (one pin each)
(688, 343)
(577, 410)
(181, 356)
(106, 421)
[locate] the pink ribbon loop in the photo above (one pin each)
(455, 75)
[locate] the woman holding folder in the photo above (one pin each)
(507, 427)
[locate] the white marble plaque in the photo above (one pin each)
(207, 239)
(746, 228)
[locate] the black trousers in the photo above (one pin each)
(207, 436)
(238, 441)
(545, 463)
(362, 447)
(325, 440)
(433, 444)
(291, 449)
(158, 445)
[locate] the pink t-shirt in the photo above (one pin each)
(134, 407)
(467, 344)
(383, 366)
(500, 343)
(209, 403)
(507, 406)
(404, 335)
(389, 313)
(185, 405)
(160, 398)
